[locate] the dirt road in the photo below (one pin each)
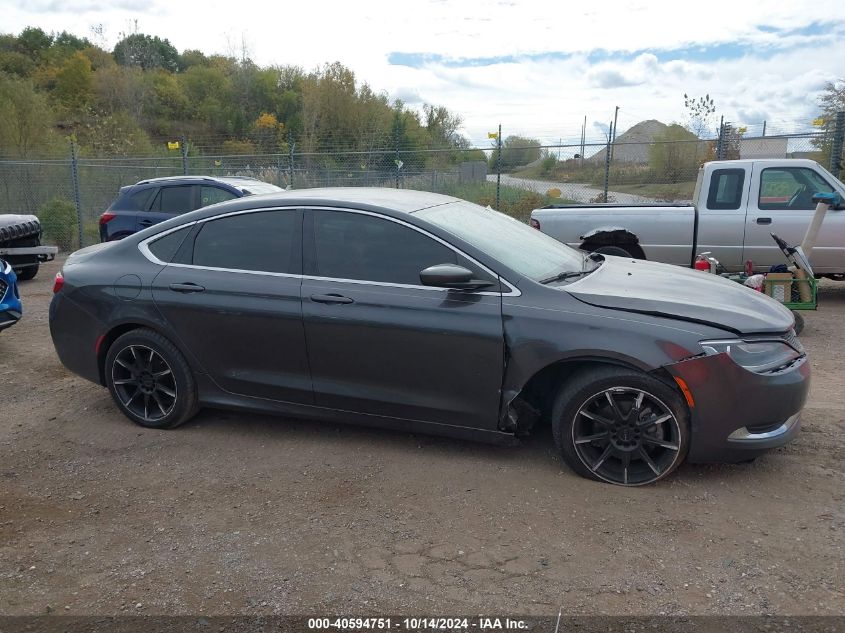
(237, 513)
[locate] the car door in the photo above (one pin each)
(721, 217)
(232, 296)
(169, 201)
(381, 343)
(781, 202)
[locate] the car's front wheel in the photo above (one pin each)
(150, 380)
(620, 426)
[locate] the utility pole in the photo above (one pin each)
(583, 138)
(764, 129)
(607, 161)
(613, 139)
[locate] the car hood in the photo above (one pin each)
(680, 293)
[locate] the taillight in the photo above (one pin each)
(107, 217)
(534, 224)
(59, 282)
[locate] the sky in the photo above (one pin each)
(535, 67)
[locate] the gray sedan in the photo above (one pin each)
(426, 313)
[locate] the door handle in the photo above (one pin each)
(186, 288)
(146, 222)
(764, 220)
(330, 299)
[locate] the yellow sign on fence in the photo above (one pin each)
(172, 144)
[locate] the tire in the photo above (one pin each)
(616, 251)
(583, 411)
(150, 380)
(799, 321)
(27, 273)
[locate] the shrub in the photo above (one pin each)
(58, 221)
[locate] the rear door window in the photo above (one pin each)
(164, 248)
(263, 241)
(175, 200)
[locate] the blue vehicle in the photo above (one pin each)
(10, 301)
(158, 199)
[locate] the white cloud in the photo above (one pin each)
(544, 96)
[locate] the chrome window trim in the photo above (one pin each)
(143, 246)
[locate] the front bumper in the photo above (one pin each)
(738, 414)
(10, 303)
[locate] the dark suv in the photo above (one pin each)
(158, 199)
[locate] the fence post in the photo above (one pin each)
(836, 148)
(77, 199)
(396, 160)
(290, 159)
(607, 160)
(498, 165)
(184, 147)
(720, 143)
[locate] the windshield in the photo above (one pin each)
(519, 247)
(256, 188)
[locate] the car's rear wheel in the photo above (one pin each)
(150, 380)
(620, 426)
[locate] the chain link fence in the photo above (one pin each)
(69, 195)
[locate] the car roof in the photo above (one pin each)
(401, 200)
(224, 179)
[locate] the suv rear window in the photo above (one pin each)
(139, 200)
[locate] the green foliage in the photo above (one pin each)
(513, 201)
(147, 52)
(831, 102)
(548, 165)
(517, 151)
(59, 223)
(675, 155)
(25, 120)
(114, 102)
(74, 82)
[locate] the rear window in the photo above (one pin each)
(725, 189)
(139, 200)
(164, 248)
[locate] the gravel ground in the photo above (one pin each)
(248, 514)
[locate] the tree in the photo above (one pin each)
(34, 42)
(831, 101)
(675, 155)
(517, 151)
(146, 52)
(74, 82)
(26, 121)
(699, 113)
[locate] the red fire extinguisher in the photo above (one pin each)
(702, 263)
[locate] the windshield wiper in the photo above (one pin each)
(568, 274)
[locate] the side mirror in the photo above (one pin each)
(831, 199)
(451, 276)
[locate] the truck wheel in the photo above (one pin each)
(27, 273)
(620, 426)
(150, 380)
(617, 251)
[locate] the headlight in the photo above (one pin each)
(757, 356)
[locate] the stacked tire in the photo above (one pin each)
(18, 231)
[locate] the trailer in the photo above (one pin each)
(20, 245)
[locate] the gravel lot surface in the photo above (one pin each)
(237, 513)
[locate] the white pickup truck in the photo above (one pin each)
(737, 204)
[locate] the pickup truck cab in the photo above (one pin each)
(737, 204)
